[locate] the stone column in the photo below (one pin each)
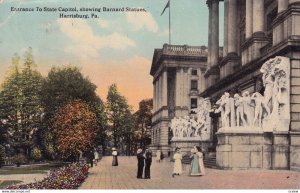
(186, 86)
(282, 5)
(181, 81)
(225, 49)
(232, 25)
(154, 99)
(215, 32)
(258, 16)
(156, 95)
(159, 92)
(164, 88)
(249, 17)
(209, 34)
(177, 87)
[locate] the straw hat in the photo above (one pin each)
(114, 149)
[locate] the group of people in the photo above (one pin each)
(197, 165)
(144, 163)
(144, 159)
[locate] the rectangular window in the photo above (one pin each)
(194, 103)
(194, 72)
(194, 84)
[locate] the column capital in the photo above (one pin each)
(210, 2)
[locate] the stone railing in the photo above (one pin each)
(184, 50)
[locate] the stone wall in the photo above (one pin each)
(256, 150)
(295, 112)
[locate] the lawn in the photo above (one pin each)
(30, 169)
(6, 183)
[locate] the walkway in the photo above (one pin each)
(104, 176)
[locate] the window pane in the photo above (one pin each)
(193, 103)
(194, 72)
(194, 85)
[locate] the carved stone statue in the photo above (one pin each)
(193, 126)
(271, 111)
(239, 104)
(224, 108)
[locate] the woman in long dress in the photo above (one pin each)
(195, 168)
(177, 165)
(158, 155)
(201, 164)
(115, 157)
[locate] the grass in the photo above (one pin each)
(29, 169)
(6, 183)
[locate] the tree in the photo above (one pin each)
(120, 119)
(20, 102)
(74, 128)
(143, 122)
(64, 84)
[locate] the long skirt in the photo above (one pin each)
(140, 171)
(147, 170)
(201, 165)
(177, 167)
(115, 161)
(195, 169)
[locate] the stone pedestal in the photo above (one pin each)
(252, 149)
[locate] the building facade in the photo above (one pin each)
(255, 31)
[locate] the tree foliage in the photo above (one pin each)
(119, 117)
(20, 102)
(143, 122)
(64, 84)
(74, 128)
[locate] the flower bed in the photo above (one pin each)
(69, 177)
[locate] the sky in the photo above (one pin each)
(116, 47)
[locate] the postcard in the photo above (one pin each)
(139, 94)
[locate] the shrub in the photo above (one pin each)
(69, 177)
(37, 154)
(19, 159)
(2, 155)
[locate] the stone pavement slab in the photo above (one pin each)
(105, 176)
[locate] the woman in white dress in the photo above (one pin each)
(177, 165)
(201, 164)
(158, 155)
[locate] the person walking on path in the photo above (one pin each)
(141, 159)
(148, 161)
(115, 157)
(96, 155)
(91, 157)
(177, 164)
(195, 168)
(201, 164)
(158, 155)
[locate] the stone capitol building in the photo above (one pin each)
(241, 102)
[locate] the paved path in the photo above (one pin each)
(104, 176)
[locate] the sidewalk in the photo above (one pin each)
(104, 176)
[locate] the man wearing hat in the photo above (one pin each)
(140, 158)
(177, 165)
(148, 161)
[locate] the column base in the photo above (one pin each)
(251, 49)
